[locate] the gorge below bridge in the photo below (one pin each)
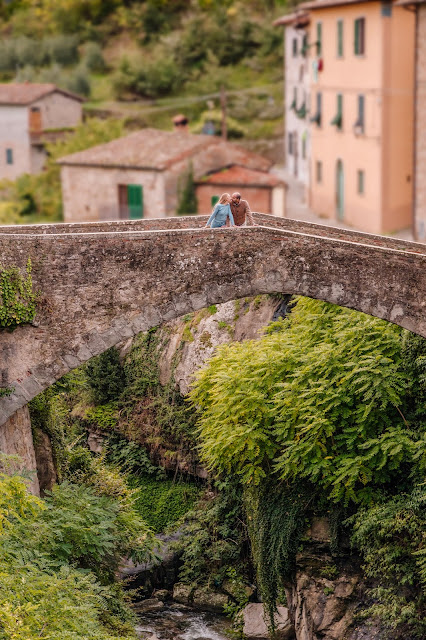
(101, 283)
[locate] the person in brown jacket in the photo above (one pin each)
(241, 211)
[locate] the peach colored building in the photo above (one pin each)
(419, 182)
(362, 88)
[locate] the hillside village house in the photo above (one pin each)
(265, 192)
(419, 182)
(141, 175)
(361, 61)
(30, 115)
(296, 95)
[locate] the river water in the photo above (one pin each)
(178, 622)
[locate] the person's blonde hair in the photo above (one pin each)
(224, 198)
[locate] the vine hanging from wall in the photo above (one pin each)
(18, 301)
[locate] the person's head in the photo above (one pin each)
(225, 198)
(236, 197)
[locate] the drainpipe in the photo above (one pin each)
(414, 178)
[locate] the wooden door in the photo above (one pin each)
(35, 120)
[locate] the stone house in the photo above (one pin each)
(362, 87)
(419, 179)
(31, 115)
(296, 95)
(141, 175)
(265, 192)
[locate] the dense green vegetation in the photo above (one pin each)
(57, 561)
(326, 412)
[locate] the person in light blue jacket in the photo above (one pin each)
(221, 213)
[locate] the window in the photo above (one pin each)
(338, 118)
(360, 122)
(9, 156)
(293, 105)
(304, 145)
(318, 115)
(361, 181)
(359, 48)
(319, 171)
(294, 47)
(386, 8)
(305, 47)
(319, 39)
(290, 144)
(340, 38)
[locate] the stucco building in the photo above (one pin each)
(30, 115)
(362, 87)
(142, 174)
(419, 182)
(296, 95)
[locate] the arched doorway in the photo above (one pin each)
(340, 191)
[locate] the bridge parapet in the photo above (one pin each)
(198, 222)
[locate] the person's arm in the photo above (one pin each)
(212, 217)
(249, 216)
(231, 217)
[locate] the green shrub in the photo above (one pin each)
(93, 58)
(151, 76)
(18, 301)
(105, 376)
(391, 537)
(160, 502)
(62, 49)
(41, 594)
(79, 81)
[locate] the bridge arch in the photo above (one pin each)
(103, 282)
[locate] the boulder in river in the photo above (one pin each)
(255, 627)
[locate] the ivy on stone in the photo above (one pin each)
(18, 301)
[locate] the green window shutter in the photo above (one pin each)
(319, 39)
(215, 200)
(356, 46)
(340, 38)
(135, 201)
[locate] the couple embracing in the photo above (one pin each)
(231, 211)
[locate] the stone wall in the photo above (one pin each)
(97, 289)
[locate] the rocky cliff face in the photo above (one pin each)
(16, 438)
(193, 339)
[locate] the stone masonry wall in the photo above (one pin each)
(98, 288)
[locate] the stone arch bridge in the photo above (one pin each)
(100, 283)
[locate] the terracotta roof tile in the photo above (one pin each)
(157, 150)
(295, 18)
(324, 4)
(237, 175)
(27, 92)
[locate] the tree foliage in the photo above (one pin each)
(57, 560)
(105, 376)
(317, 399)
